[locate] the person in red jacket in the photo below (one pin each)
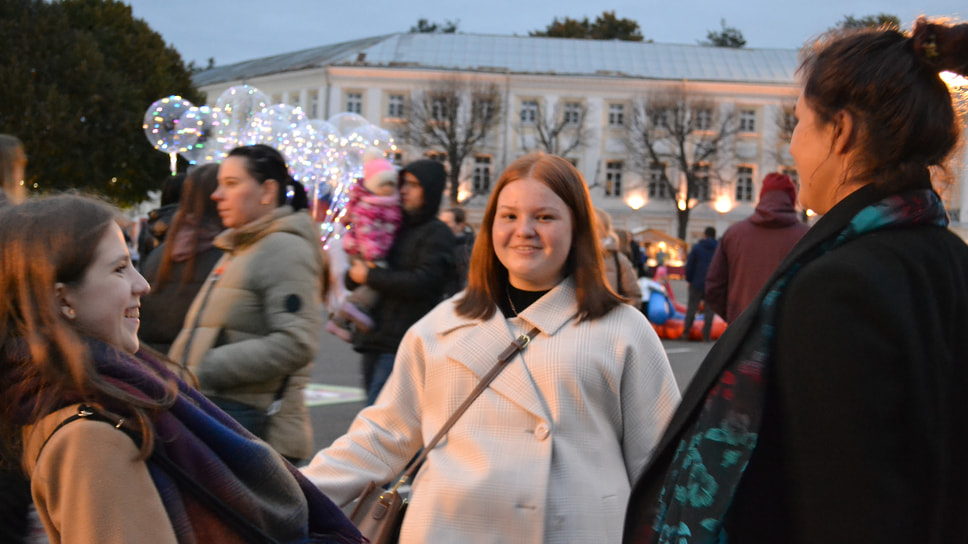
(751, 250)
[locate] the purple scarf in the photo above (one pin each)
(245, 473)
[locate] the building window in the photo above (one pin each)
(704, 119)
(658, 188)
(660, 118)
(572, 113)
(395, 106)
(744, 184)
(747, 120)
(396, 157)
(482, 174)
(354, 102)
(792, 173)
(616, 115)
(438, 109)
(613, 178)
(294, 99)
(484, 109)
(701, 189)
(314, 104)
(438, 156)
(529, 112)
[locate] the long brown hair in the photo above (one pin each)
(197, 210)
(488, 277)
(43, 359)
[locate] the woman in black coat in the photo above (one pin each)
(178, 269)
(832, 410)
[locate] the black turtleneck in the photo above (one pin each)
(519, 299)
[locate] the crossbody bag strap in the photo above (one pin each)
(516, 346)
(248, 530)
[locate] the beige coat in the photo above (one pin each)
(546, 454)
(89, 486)
(622, 278)
(257, 320)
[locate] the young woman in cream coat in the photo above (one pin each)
(548, 452)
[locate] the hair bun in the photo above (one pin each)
(942, 47)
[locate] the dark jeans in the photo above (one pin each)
(376, 370)
(695, 297)
(254, 419)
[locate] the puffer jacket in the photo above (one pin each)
(256, 321)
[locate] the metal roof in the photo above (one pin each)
(529, 55)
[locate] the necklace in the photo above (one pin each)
(511, 302)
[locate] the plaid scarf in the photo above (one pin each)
(713, 454)
(244, 473)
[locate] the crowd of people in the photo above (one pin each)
(164, 403)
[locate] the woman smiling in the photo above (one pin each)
(548, 451)
(116, 447)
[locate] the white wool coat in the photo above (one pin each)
(545, 454)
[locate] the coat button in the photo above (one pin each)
(542, 431)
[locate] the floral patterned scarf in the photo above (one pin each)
(713, 454)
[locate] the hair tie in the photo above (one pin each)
(930, 47)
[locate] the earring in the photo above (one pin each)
(69, 312)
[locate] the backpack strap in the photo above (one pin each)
(244, 527)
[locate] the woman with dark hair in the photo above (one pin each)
(104, 430)
(548, 451)
(252, 332)
(832, 409)
(183, 261)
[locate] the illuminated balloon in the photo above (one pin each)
(162, 125)
(347, 123)
(273, 126)
(239, 104)
(204, 123)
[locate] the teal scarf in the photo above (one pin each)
(713, 454)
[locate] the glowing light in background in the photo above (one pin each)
(723, 204)
(635, 201)
(953, 80)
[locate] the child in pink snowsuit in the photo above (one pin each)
(374, 215)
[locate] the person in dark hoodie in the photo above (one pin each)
(697, 265)
(420, 266)
(183, 261)
(751, 250)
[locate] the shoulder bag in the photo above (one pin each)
(379, 512)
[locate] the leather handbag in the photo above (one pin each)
(379, 512)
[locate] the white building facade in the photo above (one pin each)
(599, 82)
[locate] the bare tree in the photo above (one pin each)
(691, 133)
(558, 129)
(786, 121)
(452, 115)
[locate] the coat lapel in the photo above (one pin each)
(725, 349)
(479, 348)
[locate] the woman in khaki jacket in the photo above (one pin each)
(251, 334)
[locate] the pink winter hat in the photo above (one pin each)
(779, 182)
(377, 171)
